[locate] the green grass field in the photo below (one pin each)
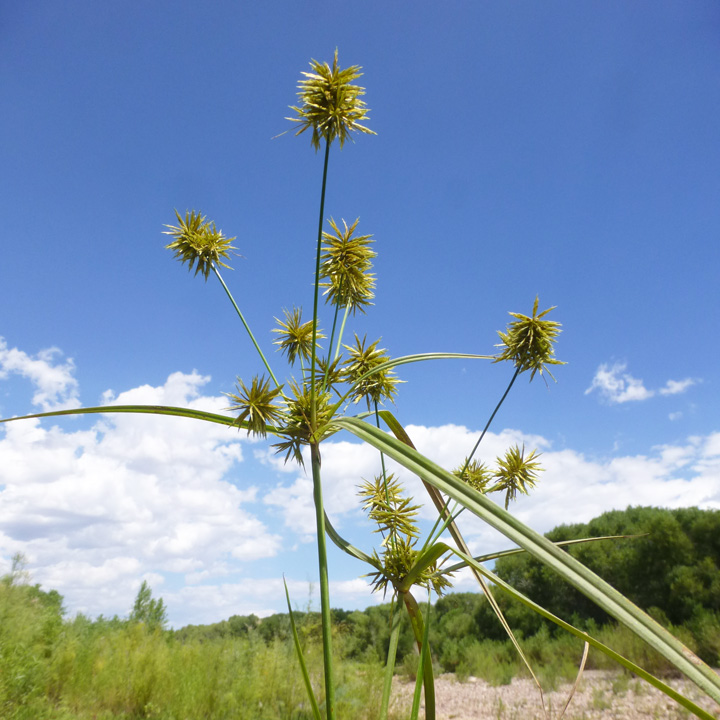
(52, 668)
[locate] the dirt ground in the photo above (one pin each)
(600, 695)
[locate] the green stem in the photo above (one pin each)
(392, 537)
(439, 529)
(487, 425)
(330, 344)
(434, 533)
(313, 405)
(382, 455)
(324, 583)
(418, 627)
(451, 514)
(342, 330)
(244, 322)
(444, 516)
(390, 665)
(301, 658)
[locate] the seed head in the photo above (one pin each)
(256, 405)
(529, 341)
(345, 267)
(329, 104)
(295, 336)
(377, 387)
(516, 472)
(475, 474)
(198, 241)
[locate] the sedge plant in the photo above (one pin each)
(340, 384)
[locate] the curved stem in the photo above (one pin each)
(438, 529)
(324, 583)
(244, 322)
(392, 537)
(382, 455)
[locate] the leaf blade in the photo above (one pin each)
(564, 564)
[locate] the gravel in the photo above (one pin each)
(600, 695)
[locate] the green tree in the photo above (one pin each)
(672, 563)
(147, 609)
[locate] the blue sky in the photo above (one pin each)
(566, 150)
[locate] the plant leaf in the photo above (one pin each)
(345, 545)
(517, 551)
(139, 409)
(301, 658)
(636, 669)
(587, 582)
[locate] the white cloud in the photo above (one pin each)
(344, 466)
(210, 603)
(573, 488)
(55, 386)
(263, 596)
(675, 387)
(711, 445)
(617, 386)
(134, 494)
(119, 498)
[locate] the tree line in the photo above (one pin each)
(667, 563)
(59, 668)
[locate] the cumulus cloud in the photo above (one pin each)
(55, 385)
(344, 466)
(618, 386)
(572, 487)
(118, 498)
(96, 508)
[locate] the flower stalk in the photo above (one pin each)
(246, 326)
(331, 108)
(324, 581)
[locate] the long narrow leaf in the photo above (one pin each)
(587, 582)
(425, 668)
(139, 409)
(517, 551)
(301, 658)
(424, 658)
(344, 545)
(628, 664)
(419, 357)
(423, 357)
(423, 561)
(399, 431)
(426, 558)
(573, 689)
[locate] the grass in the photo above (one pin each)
(54, 669)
